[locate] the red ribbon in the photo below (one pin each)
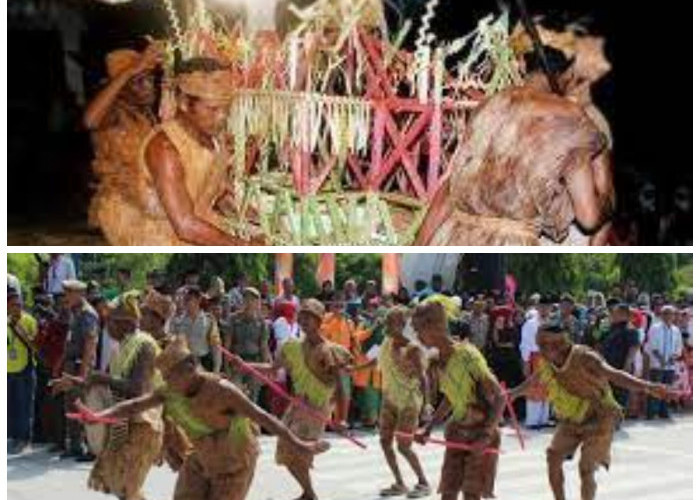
(87, 416)
(513, 416)
(453, 444)
(277, 389)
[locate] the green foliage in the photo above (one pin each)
(256, 266)
(545, 273)
(26, 268)
(305, 274)
(577, 273)
(359, 266)
(653, 272)
(103, 267)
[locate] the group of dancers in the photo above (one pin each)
(206, 428)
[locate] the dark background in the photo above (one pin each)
(49, 153)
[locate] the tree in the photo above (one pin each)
(359, 266)
(25, 267)
(255, 266)
(653, 272)
(545, 273)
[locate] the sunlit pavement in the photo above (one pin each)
(651, 461)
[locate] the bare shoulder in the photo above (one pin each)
(160, 151)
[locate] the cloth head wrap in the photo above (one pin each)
(126, 306)
(213, 85)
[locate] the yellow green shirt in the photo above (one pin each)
(18, 356)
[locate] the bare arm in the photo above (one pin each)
(520, 390)
(89, 354)
(497, 402)
(168, 175)
(443, 410)
(99, 107)
(591, 207)
(437, 213)
(132, 407)
(629, 382)
(239, 403)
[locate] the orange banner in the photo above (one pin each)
(326, 268)
(284, 268)
(391, 273)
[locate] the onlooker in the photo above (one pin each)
(21, 376)
(536, 405)
(249, 340)
(326, 295)
(620, 346)
(479, 325)
(61, 268)
(287, 294)
(340, 329)
(235, 295)
(665, 347)
(201, 331)
(80, 355)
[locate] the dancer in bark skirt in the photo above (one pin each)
(404, 399)
(219, 420)
(315, 366)
(121, 467)
(577, 382)
(474, 397)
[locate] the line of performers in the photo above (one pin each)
(206, 428)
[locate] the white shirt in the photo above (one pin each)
(110, 349)
(60, 270)
(283, 331)
(667, 340)
(528, 337)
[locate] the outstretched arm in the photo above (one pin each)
(168, 175)
(240, 404)
(626, 381)
(522, 389)
(132, 407)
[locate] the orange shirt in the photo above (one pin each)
(339, 329)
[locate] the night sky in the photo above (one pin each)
(641, 97)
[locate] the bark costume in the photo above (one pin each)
(122, 469)
(312, 369)
(506, 186)
(587, 413)
(402, 397)
(470, 472)
(142, 220)
(221, 461)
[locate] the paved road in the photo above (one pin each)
(651, 461)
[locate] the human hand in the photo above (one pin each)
(65, 383)
(150, 58)
(658, 391)
(316, 447)
(422, 435)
